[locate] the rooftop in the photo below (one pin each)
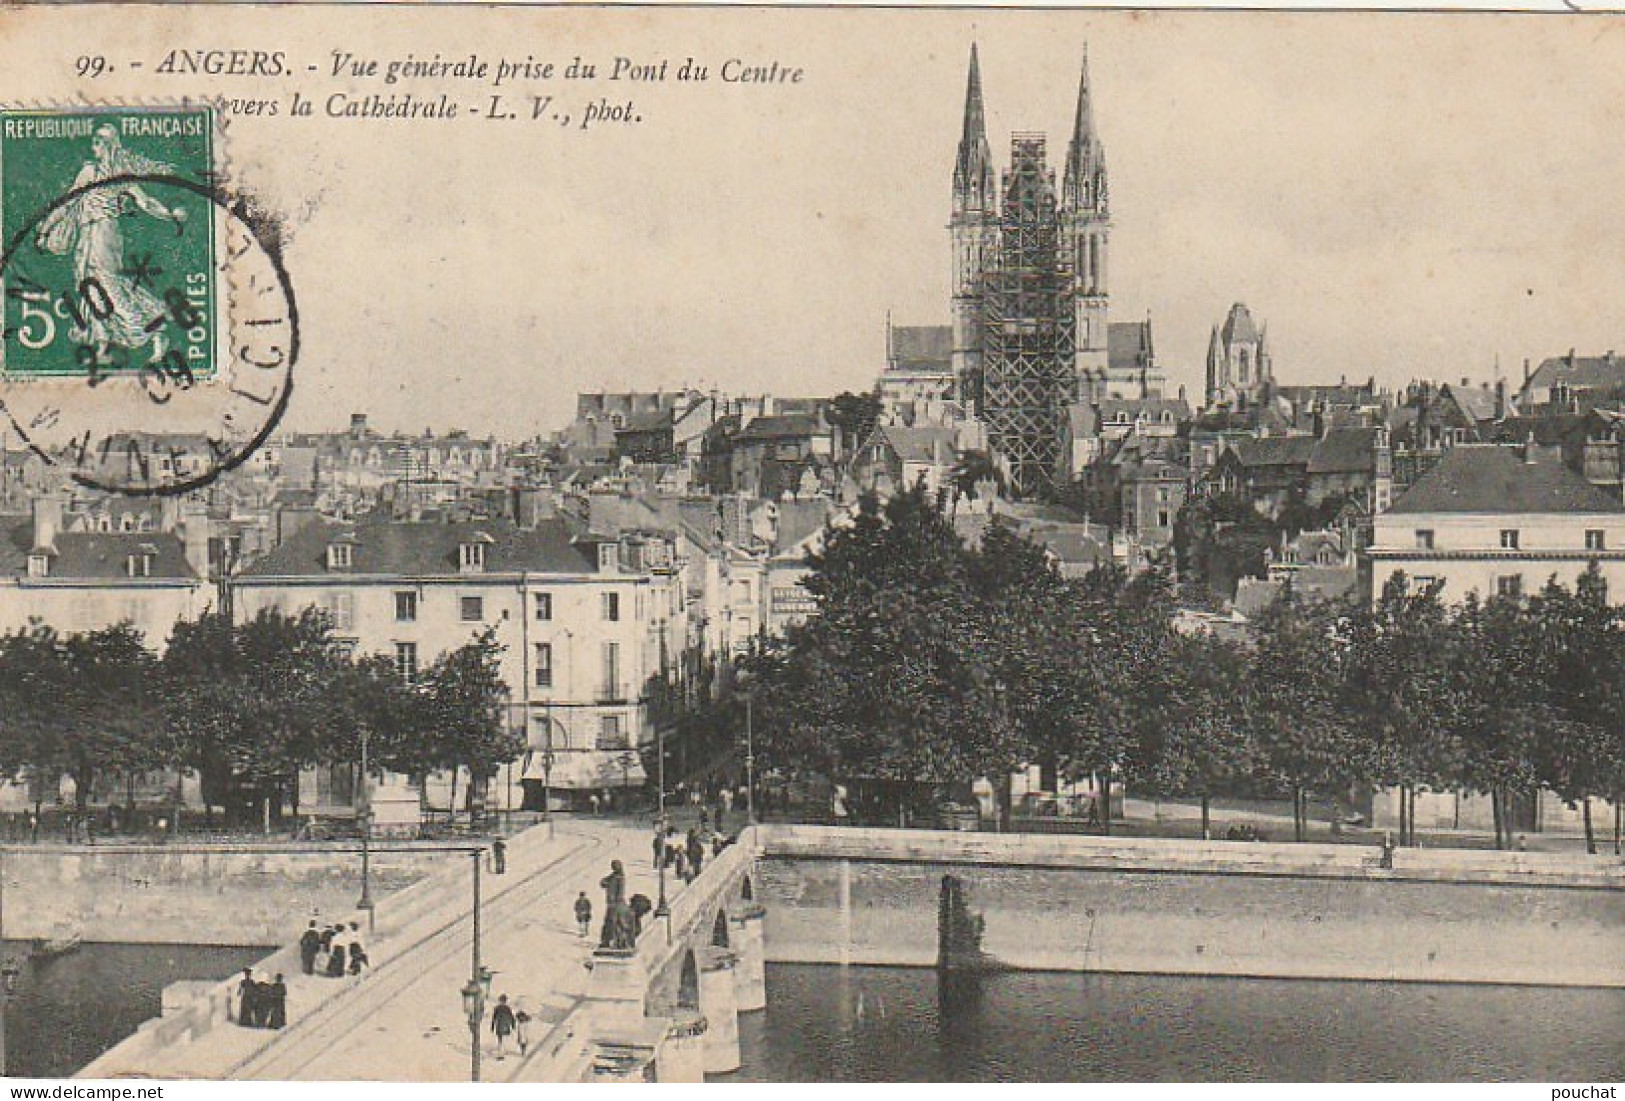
(401, 548)
(1490, 478)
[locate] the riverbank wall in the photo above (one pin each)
(1157, 906)
(227, 894)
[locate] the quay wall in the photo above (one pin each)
(189, 894)
(836, 895)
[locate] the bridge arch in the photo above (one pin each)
(719, 928)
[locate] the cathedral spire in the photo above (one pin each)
(1085, 180)
(973, 169)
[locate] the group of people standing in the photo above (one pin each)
(334, 951)
(261, 1004)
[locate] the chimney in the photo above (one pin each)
(1529, 456)
(1500, 399)
(195, 535)
(47, 520)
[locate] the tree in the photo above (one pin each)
(1306, 740)
(1577, 648)
(465, 701)
(1501, 709)
(1400, 681)
(1201, 735)
(110, 713)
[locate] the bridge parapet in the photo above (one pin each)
(668, 1010)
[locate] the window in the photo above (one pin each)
(406, 661)
(544, 606)
(341, 607)
(1424, 540)
(1422, 584)
(473, 609)
(1509, 585)
(139, 565)
(612, 607)
(472, 556)
(339, 556)
(1596, 539)
(612, 671)
(611, 735)
(1163, 519)
(406, 607)
(1509, 538)
(609, 557)
(544, 665)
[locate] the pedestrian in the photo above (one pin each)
(33, 826)
(327, 937)
(521, 1029)
(659, 848)
(358, 957)
(277, 1017)
(310, 943)
(337, 958)
(503, 1023)
(696, 852)
(246, 998)
(680, 862)
(584, 914)
(592, 801)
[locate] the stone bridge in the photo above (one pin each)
(664, 1011)
(669, 1011)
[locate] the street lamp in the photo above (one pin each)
(10, 973)
(364, 795)
(478, 987)
(750, 764)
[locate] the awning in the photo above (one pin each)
(587, 769)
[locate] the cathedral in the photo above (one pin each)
(1031, 334)
(1239, 371)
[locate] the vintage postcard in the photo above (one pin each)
(603, 544)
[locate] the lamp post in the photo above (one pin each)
(750, 764)
(10, 972)
(365, 794)
(478, 987)
(661, 908)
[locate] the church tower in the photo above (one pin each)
(1086, 228)
(974, 232)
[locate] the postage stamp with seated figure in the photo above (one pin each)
(149, 325)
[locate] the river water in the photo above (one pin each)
(70, 1009)
(882, 1024)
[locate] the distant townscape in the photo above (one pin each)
(613, 572)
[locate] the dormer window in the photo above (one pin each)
(609, 557)
(471, 553)
(340, 555)
(39, 564)
(139, 564)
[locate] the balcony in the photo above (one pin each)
(613, 693)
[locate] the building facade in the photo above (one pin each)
(1494, 520)
(583, 621)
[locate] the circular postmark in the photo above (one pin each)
(150, 332)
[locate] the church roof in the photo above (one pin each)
(1128, 345)
(921, 348)
(1239, 327)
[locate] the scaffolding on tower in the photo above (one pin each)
(1029, 326)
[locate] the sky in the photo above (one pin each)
(1396, 196)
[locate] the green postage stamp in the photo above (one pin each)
(109, 238)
